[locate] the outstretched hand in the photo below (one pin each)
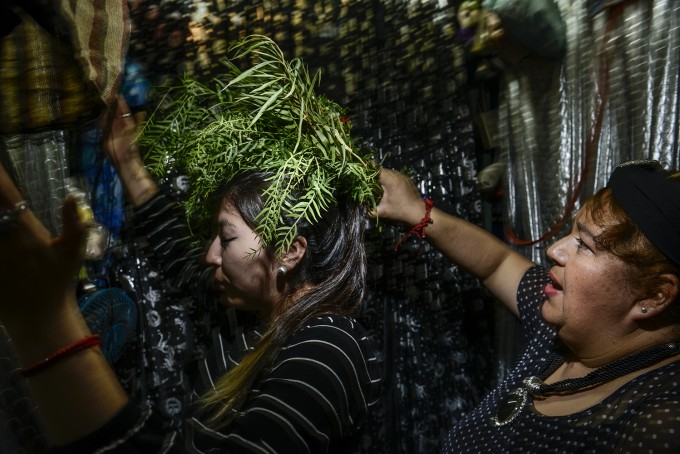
(37, 272)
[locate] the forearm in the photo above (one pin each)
(124, 155)
(467, 245)
(76, 394)
(480, 253)
(137, 182)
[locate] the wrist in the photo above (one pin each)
(418, 229)
(41, 336)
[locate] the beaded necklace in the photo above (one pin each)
(534, 388)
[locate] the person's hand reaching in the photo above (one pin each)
(37, 272)
(401, 201)
(121, 130)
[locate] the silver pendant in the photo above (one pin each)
(510, 408)
(533, 386)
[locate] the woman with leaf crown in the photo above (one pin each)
(275, 176)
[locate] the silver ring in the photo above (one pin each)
(20, 207)
(125, 115)
(9, 218)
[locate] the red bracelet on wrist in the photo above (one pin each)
(83, 344)
(419, 229)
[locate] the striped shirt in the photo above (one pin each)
(315, 398)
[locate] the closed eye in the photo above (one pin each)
(225, 241)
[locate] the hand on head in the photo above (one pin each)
(401, 201)
(121, 128)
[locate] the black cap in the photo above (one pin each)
(652, 201)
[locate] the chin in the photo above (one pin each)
(233, 302)
(545, 311)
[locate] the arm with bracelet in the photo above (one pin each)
(471, 247)
(69, 378)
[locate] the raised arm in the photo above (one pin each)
(121, 130)
(474, 249)
(78, 393)
(157, 217)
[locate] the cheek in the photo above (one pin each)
(244, 271)
(594, 294)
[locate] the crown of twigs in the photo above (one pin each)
(266, 118)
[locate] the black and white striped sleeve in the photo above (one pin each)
(161, 222)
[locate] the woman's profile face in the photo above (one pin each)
(589, 299)
(244, 274)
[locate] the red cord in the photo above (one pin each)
(419, 229)
(83, 344)
(615, 14)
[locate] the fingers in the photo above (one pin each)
(9, 198)
(122, 108)
(120, 132)
(9, 194)
(401, 200)
(74, 231)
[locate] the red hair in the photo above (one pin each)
(622, 237)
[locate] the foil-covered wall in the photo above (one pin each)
(565, 125)
(39, 163)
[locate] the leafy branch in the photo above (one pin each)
(269, 118)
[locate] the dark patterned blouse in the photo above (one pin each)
(315, 398)
(641, 416)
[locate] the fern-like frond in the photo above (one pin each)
(266, 117)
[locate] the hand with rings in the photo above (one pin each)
(119, 142)
(9, 217)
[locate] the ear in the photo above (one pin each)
(665, 296)
(295, 253)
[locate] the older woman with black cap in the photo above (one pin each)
(601, 369)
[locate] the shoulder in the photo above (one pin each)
(652, 411)
(326, 371)
(532, 284)
(659, 386)
(530, 295)
(331, 338)
(331, 349)
(652, 396)
(341, 328)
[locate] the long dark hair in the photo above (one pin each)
(333, 268)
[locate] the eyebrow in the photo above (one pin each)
(224, 223)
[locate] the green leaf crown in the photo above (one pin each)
(266, 118)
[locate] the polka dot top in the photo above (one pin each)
(642, 416)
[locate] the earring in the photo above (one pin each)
(282, 270)
(643, 309)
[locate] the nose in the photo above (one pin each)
(214, 254)
(556, 251)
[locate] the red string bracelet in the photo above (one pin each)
(419, 229)
(83, 344)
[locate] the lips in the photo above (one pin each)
(553, 288)
(218, 286)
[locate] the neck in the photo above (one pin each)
(593, 355)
